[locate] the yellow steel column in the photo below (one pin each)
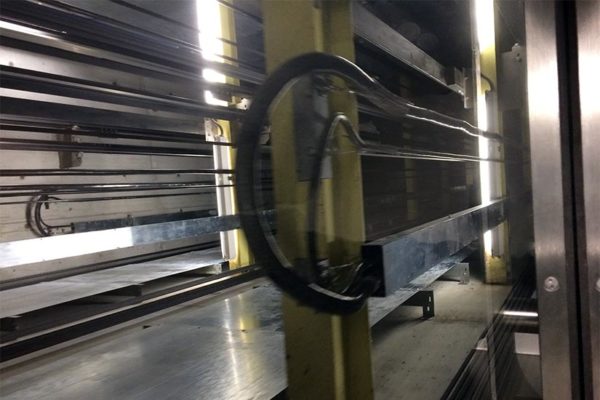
(243, 256)
(328, 356)
(496, 240)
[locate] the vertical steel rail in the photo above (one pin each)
(588, 46)
(552, 203)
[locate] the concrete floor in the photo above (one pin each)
(415, 358)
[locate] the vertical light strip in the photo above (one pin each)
(484, 20)
(210, 30)
(209, 25)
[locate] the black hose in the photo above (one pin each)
(249, 195)
(34, 216)
(258, 231)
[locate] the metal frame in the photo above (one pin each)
(553, 223)
(404, 256)
(588, 46)
(425, 300)
(376, 33)
(25, 252)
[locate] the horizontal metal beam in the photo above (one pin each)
(103, 148)
(378, 34)
(14, 59)
(21, 252)
(109, 172)
(98, 225)
(88, 27)
(402, 257)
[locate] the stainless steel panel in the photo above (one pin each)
(588, 26)
(557, 328)
(45, 294)
(14, 254)
(406, 255)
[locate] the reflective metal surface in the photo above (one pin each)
(404, 256)
(13, 254)
(231, 348)
(588, 25)
(554, 262)
(28, 298)
(379, 307)
(371, 29)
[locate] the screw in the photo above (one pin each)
(551, 284)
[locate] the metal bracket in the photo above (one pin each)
(69, 159)
(424, 299)
(460, 272)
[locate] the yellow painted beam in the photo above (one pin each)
(243, 255)
(328, 356)
(496, 257)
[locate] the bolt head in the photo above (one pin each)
(551, 284)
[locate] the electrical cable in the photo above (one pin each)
(107, 198)
(110, 172)
(29, 190)
(34, 216)
(258, 231)
(179, 23)
(104, 148)
(174, 42)
(249, 195)
(115, 132)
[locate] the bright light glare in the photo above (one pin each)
(524, 314)
(484, 18)
(211, 99)
(484, 15)
(484, 166)
(20, 28)
(208, 14)
(209, 25)
(487, 242)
